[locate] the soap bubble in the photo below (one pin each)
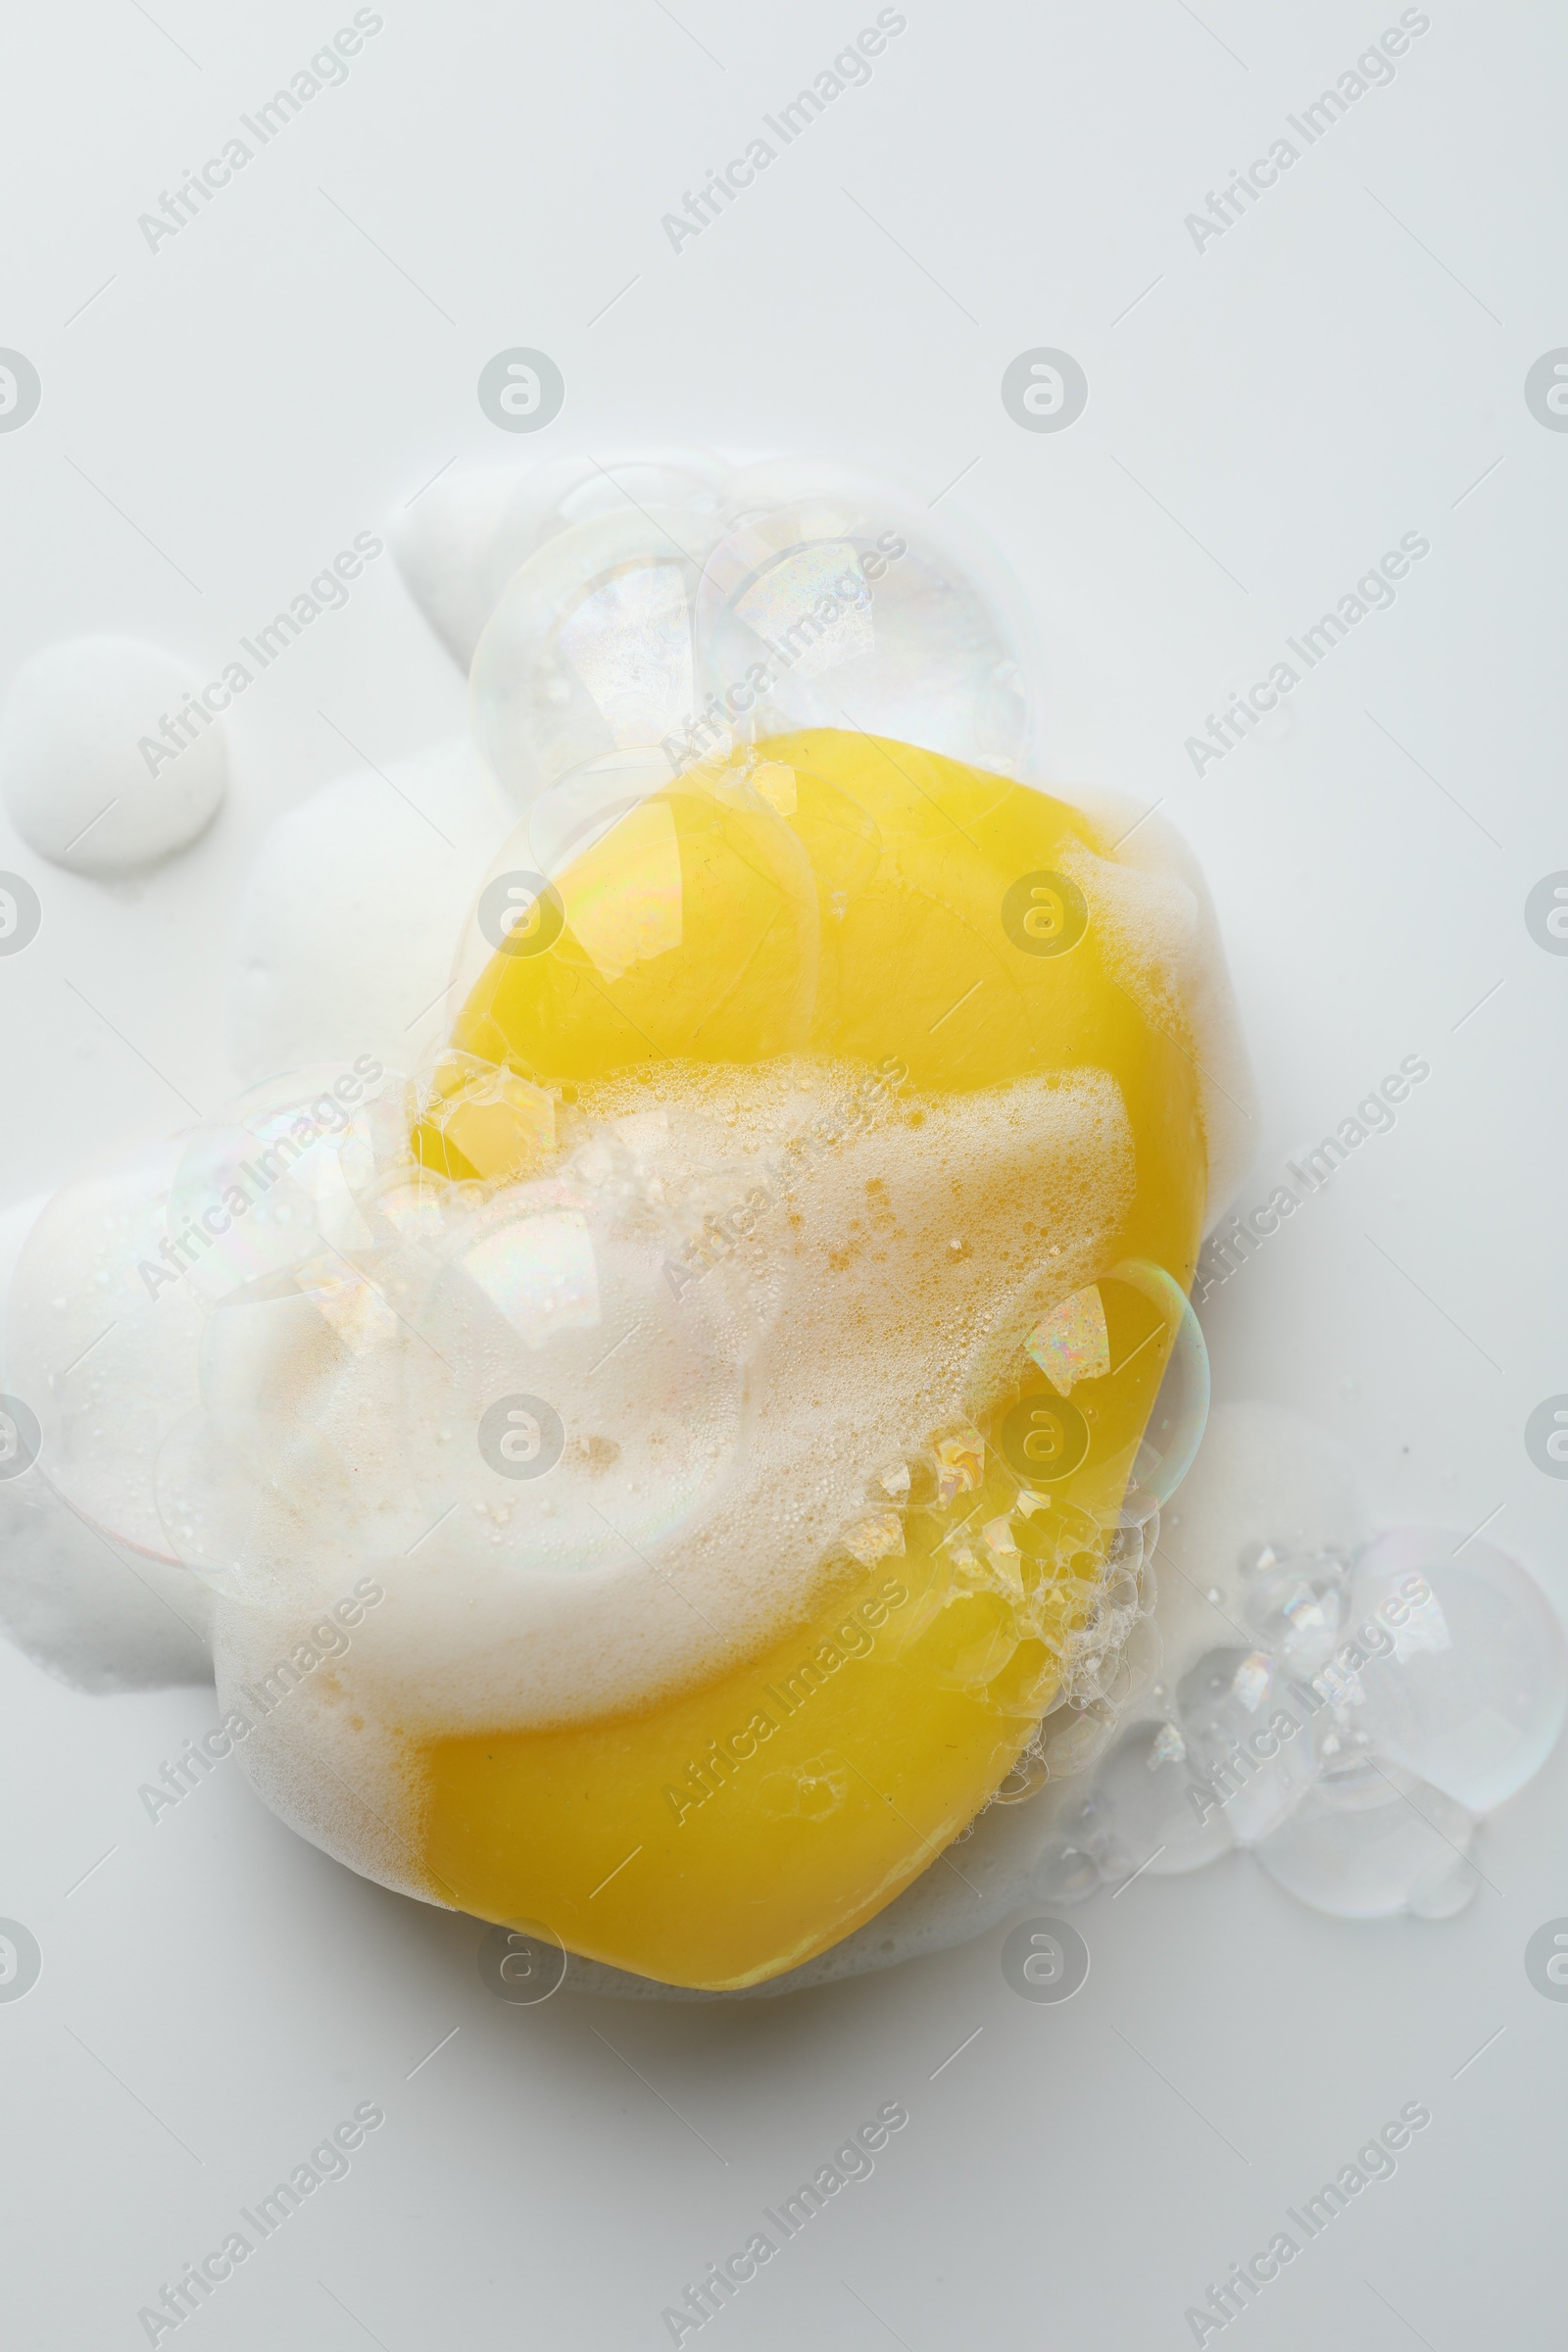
(1465, 1671)
(102, 1327)
(1226, 1704)
(834, 601)
(1067, 1867)
(571, 815)
(1369, 1840)
(1155, 1817)
(1176, 1423)
(590, 650)
(1081, 1431)
(470, 532)
(1296, 1606)
(276, 1179)
(690, 930)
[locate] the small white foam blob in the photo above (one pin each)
(346, 931)
(1468, 1678)
(460, 543)
(109, 761)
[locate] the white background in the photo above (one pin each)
(1340, 367)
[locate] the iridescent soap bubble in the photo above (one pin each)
(1085, 1436)
(1296, 1606)
(590, 650)
(1461, 1661)
(1180, 1412)
(1156, 1817)
(470, 532)
(275, 1180)
(835, 601)
(1369, 1840)
(102, 1329)
(1233, 1719)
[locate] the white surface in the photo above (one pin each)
(265, 385)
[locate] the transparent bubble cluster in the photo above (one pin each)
(646, 635)
(1370, 1708)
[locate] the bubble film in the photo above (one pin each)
(590, 648)
(1392, 1693)
(1468, 1689)
(832, 601)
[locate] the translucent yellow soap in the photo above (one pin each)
(937, 941)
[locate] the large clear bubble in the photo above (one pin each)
(1064, 1383)
(1369, 1840)
(1152, 1816)
(277, 1182)
(1460, 1672)
(1238, 1753)
(590, 648)
(835, 601)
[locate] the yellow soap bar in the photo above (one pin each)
(865, 903)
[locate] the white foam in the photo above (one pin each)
(720, 1434)
(88, 778)
(80, 1603)
(343, 940)
(1152, 905)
